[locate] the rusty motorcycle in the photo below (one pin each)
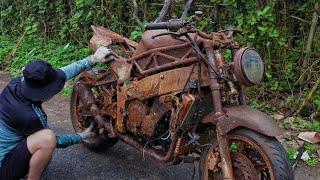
(175, 98)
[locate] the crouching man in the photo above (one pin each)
(26, 142)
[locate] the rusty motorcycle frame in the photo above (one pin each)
(173, 95)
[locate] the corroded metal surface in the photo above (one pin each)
(244, 116)
(238, 66)
(122, 69)
(97, 78)
(167, 157)
(186, 104)
(164, 83)
(213, 161)
(157, 91)
(136, 112)
(148, 42)
(150, 121)
(257, 120)
(105, 37)
(243, 167)
(156, 85)
(163, 58)
(143, 120)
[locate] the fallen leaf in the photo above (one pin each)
(311, 137)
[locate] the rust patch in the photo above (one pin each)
(244, 116)
(106, 37)
(122, 69)
(141, 119)
(149, 123)
(137, 112)
(164, 83)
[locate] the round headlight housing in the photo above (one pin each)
(248, 66)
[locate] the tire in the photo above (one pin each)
(98, 142)
(271, 152)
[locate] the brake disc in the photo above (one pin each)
(243, 168)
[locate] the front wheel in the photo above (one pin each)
(254, 156)
(80, 121)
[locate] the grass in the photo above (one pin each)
(305, 125)
(52, 51)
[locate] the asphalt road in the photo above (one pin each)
(119, 162)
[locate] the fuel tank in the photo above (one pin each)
(148, 41)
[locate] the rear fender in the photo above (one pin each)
(244, 116)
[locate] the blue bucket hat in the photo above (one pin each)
(41, 81)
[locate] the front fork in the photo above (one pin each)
(223, 145)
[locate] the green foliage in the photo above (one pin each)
(286, 126)
(234, 146)
(292, 154)
(266, 27)
(307, 125)
(313, 162)
(311, 149)
(261, 105)
(36, 48)
(57, 54)
(67, 90)
(136, 34)
(65, 20)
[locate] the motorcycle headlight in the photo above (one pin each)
(248, 66)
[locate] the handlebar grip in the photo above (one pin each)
(153, 26)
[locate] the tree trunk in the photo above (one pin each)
(187, 7)
(135, 12)
(165, 10)
(310, 38)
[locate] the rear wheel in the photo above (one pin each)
(81, 120)
(254, 156)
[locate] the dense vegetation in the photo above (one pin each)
(281, 31)
(59, 30)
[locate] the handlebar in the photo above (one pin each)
(153, 26)
(172, 25)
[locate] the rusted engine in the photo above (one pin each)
(145, 117)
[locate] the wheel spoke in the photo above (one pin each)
(241, 147)
(260, 167)
(253, 154)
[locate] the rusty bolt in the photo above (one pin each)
(129, 94)
(218, 113)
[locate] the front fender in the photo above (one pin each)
(244, 116)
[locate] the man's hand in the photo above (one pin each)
(87, 133)
(100, 55)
